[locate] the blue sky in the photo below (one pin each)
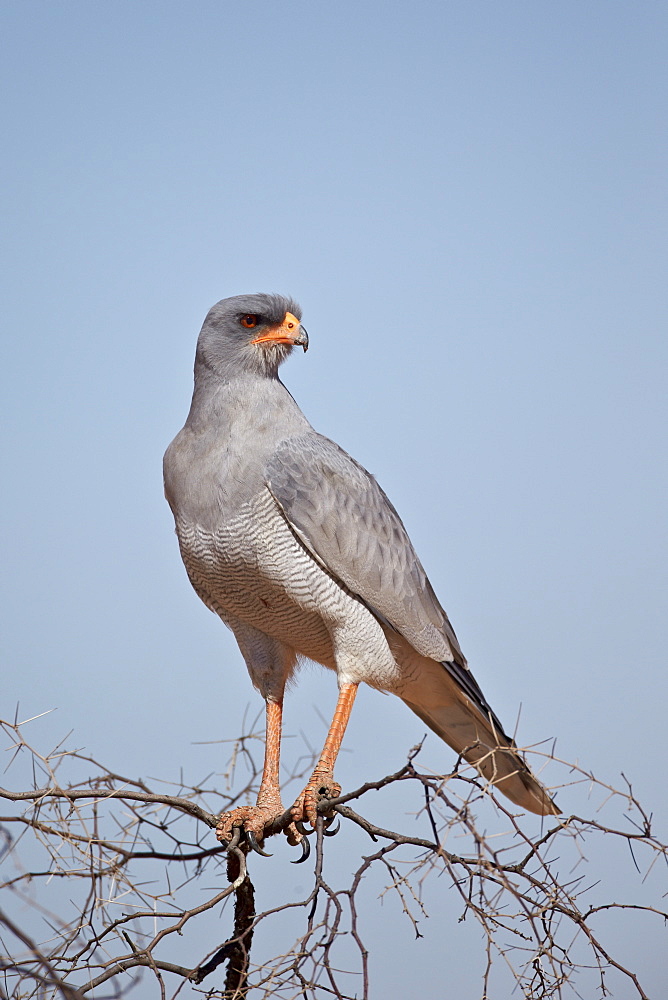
(469, 201)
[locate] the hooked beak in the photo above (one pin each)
(290, 331)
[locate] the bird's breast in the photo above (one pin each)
(252, 567)
(208, 480)
(255, 569)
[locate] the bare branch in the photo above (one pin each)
(136, 880)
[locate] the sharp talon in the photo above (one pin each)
(302, 829)
(228, 845)
(250, 837)
(306, 850)
(326, 832)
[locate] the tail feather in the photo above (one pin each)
(461, 724)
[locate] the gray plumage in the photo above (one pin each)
(297, 548)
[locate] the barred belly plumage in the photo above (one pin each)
(255, 569)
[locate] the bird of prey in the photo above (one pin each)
(300, 552)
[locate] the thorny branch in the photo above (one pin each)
(107, 880)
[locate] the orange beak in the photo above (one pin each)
(290, 331)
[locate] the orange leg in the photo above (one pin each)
(269, 804)
(321, 783)
(270, 787)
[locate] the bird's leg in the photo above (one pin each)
(253, 819)
(321, 783)
(269, 795)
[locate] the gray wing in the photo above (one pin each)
(344, 518)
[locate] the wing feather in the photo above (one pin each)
(349, 525)
(345, 519)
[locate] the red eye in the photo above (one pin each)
(249, 321)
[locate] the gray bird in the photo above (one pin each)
(299, 551)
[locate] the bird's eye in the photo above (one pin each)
(249, 321)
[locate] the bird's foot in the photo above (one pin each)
(252, 822)
(321, 786)
(251, 819)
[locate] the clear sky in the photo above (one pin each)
(469, 201)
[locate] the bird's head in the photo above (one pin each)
(250, 333)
